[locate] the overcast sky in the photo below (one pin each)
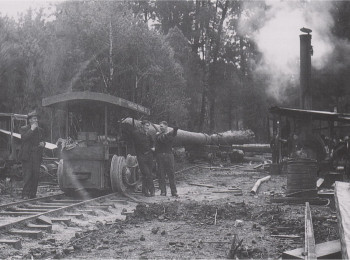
(13, 7)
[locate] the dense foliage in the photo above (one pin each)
(188, 61)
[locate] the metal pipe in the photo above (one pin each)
(305, 71)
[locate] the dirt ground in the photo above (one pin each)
(201, 223)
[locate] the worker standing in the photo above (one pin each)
(165, 157)
(144, 147)
(31, 155)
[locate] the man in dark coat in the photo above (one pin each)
(31, 155)
(165, 157)
(144, 146)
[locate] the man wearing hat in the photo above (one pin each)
(144, 146)
(31, 154)
(165, 157)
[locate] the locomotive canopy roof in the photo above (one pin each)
(314, 114)
(71, 99)
(16, 116)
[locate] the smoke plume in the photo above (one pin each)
(277, 38)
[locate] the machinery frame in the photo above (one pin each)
(94, 155)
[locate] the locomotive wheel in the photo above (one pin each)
(60, 178)
(132, 174)
(118, 170)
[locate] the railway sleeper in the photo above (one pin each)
(87, 211)
(16, 214)
(44, 220)
(30, 210)
(67, 201)
(36, 234)
(55, 204)
(66, 221)
(16, 243)
(75, 215)
(43, 207)
(47, 228)
(101, 207)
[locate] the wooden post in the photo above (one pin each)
(310, 246)
(278, 138)
(13, 150)
(342, 202)
(67, 123)
(106, 122)
(51, 125)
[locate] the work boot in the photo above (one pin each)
(175, 195)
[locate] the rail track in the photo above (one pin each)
(32, 217)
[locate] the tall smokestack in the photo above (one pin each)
(305, 69)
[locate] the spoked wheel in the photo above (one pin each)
(60, 177)
(118, 170)
(132, 176)
(124, 173)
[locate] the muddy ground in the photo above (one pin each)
(201, 223)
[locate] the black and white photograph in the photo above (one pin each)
(175, 129)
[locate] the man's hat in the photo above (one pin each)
(32, 114)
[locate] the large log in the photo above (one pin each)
(258, 183)
(258, 148)
(342, 202)
(186, 138)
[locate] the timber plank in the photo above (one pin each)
(67, 221)
(42, 207)
(16, 214)
(101, 207)
(310, 245)
(15, 243)
(67, 201)
(30, 233)
(47, 228)
(37, 211)
(45, 220)
(342, 202)
(300, 200)
(87, 211)
(75, 215)
(54, 204)
(326, 250)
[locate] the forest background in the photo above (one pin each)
(203, 64)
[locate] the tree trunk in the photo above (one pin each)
(229, 115)
(111, 69)
(196, 29)
(212, 86)
(206, 51)
(204, 105)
